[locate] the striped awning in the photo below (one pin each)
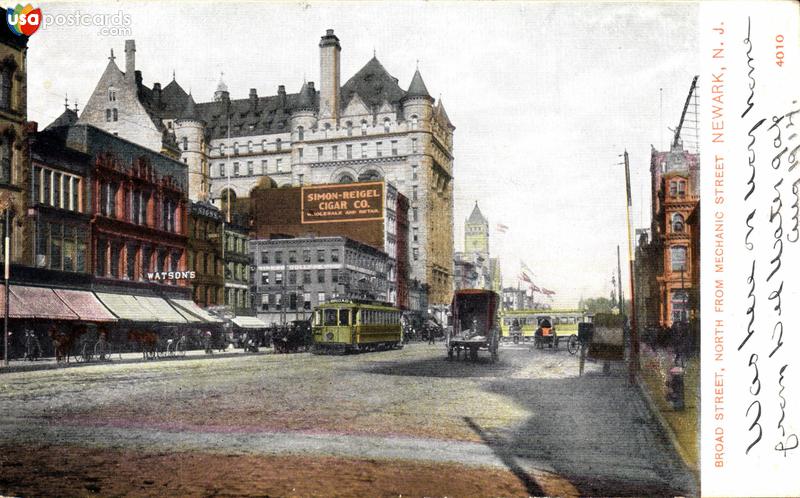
(249, 322)
(161, 309)
(187, 307)
(85, 305)
(35, 302)
(126, 307)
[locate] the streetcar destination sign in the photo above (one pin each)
(342, 202)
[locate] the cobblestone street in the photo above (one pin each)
(305, 425)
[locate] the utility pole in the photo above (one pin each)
(634, 359)
(619, 279)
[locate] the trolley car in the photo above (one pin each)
(521, 325)
(351, 326)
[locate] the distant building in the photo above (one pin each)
(293, 275)
(236, 259)
(516, 299)
(474, 268)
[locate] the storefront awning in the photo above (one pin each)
(188, 309)
(126, 307)
(35, 302)
(85, 305)
(161, 309)
(249, 322)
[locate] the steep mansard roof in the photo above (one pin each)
(266, 115)
(374, 85)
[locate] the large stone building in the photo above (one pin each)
(14, 160)
(368, 128)
(667, 258)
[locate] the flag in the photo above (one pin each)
(501, 228)
(547, 292)
(525, 269)
(524, 277)
(535, 289)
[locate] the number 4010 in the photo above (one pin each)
(779, 50)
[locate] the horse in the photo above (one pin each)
(64, 341)
(147, 339)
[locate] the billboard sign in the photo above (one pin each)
(342, 202)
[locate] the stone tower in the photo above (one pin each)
(190, 134)
(476, 234)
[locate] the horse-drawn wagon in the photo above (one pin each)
(475, 326)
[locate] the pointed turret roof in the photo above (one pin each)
(67, 118)
(477, 217)
(417, 87)
(443, 114)
(190, 111)
(306, 97)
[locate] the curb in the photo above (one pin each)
(667, 429)
(48, 365)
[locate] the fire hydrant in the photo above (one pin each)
(675, 387)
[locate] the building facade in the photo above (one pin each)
(367, 128)
(281, 213)
(294, 275)
(205, 254)
(14, 160)
(669, 257)
(236, 258)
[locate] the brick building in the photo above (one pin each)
(293, 275)
(281, 214)
(205, 254)
(668, 259)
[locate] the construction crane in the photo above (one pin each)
(683, 114)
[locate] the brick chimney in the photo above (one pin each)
(330, 69)
(130, 60)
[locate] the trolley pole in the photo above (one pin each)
(634, 358)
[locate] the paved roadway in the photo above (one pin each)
(529, 419)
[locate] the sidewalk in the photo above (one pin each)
(684, 424)
(21, 365)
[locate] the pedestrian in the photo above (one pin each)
(207, 341)
(431, 335)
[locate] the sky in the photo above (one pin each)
(545, 98)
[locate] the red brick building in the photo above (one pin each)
(667, 263)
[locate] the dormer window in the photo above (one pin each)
(386, 123)
(349, 128)
(278, 144)
(264, 145)
(677, 188)
(235, 148)
(221, 149)
(112, 95)
(249, 147)
(363, 128)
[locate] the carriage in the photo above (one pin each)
(475, 324)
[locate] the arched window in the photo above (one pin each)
(5, 160)
(369, 175)
(300, 133)
(414, 122)
(386, 123)
(677, 256)
(345, 178)
(185, 142)
(363, 127)
(349, 125)
(278, 144)
(112, 95)
(677, 223)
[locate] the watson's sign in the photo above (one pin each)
(343, 202)
(171, 275)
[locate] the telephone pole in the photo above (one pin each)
(634, 359)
